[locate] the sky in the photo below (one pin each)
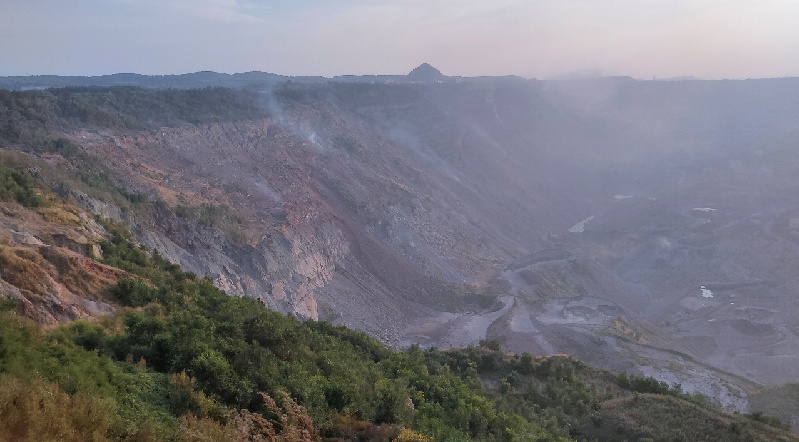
(709, 39)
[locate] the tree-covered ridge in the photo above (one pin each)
(26, 115)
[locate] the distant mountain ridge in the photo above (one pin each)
(178, 81)
(421, 74)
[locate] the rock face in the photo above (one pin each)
(283, 269)
(347, 214)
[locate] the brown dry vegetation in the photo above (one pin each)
(38, 271)
(26, 270)
(35, 410)
(81, 275)
(293, 424)
(58, 215)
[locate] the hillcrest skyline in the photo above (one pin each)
(706, 39)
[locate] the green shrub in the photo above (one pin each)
(17, 185)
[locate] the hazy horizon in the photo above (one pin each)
(706, 39)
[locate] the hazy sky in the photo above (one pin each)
(533, 38)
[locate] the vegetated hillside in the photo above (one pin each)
(410, 211)
(36, 114)
(175, 358)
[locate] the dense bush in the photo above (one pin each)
(17, 185)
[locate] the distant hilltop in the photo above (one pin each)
(425, 73)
